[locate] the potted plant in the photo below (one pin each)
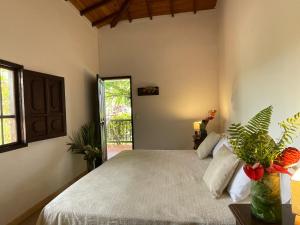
(85, 142)
(265, 159)
(204, 123)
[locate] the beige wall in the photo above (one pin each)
(259, 58)
(47, 36)
(179, 55)
(259, 61)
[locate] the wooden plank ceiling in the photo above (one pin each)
(103, 12)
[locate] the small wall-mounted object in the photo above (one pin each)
(148, 91)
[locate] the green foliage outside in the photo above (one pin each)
(252, 143)
(8, 107)
(118, 110)
(117, 93)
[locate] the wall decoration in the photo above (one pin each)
(44, 99)
(148, 91)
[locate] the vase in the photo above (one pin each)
(93, 163)
(90, 164)
(98, 162)
(265, 198)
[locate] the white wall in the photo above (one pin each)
(46, 36)
(259, 59)
(179, 55)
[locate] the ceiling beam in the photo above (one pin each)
(94, 6)
(172, 8)
(104, 19)
(117, 17)
(149, 9)
(195, 6)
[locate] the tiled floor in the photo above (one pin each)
(114, 149)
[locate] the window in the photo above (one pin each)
(11, 110)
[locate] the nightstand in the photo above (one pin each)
(198, 138)
(242, 215)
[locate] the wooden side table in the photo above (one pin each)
(198, 138)
(242, 214)
(197, 141)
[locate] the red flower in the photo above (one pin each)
(255, 172)
(211, 114)
(288, 157)
(274, 168)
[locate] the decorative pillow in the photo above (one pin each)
(219, 145)
(240, 185)
(220, 171)
(208, 144)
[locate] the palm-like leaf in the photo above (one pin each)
(85, 142)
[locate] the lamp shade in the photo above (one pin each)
(295, 190)
(196, 125)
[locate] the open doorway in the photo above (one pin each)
(118, 115)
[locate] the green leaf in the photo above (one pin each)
(261, 121)
(86, 142)
(291, 128)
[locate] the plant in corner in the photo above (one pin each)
(265, 159)
(85, 142)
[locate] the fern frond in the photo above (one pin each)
(291, 127)
(237, 132)
(261, 121)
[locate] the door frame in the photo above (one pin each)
(131, 99)
(100, 127)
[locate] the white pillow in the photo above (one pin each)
(206, 147)
(220, 171)
(240, 185)
(219, 145)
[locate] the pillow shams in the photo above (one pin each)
(240, 185)
(206, 147)
(220, 171)
(222, 141)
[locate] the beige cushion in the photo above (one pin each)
(220, 171)
(206, 147)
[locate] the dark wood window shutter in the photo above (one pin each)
(45, 113)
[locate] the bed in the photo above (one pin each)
(141, 187)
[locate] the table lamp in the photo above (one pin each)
(197, 125)
(295, 200)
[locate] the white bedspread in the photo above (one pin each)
(141, 187)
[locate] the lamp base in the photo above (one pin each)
(297, 220)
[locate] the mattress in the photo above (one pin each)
(141, 187)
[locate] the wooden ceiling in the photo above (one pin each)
(103, 12)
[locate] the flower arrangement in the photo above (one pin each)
(211, 115)
(265, 159)
(257, 148)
